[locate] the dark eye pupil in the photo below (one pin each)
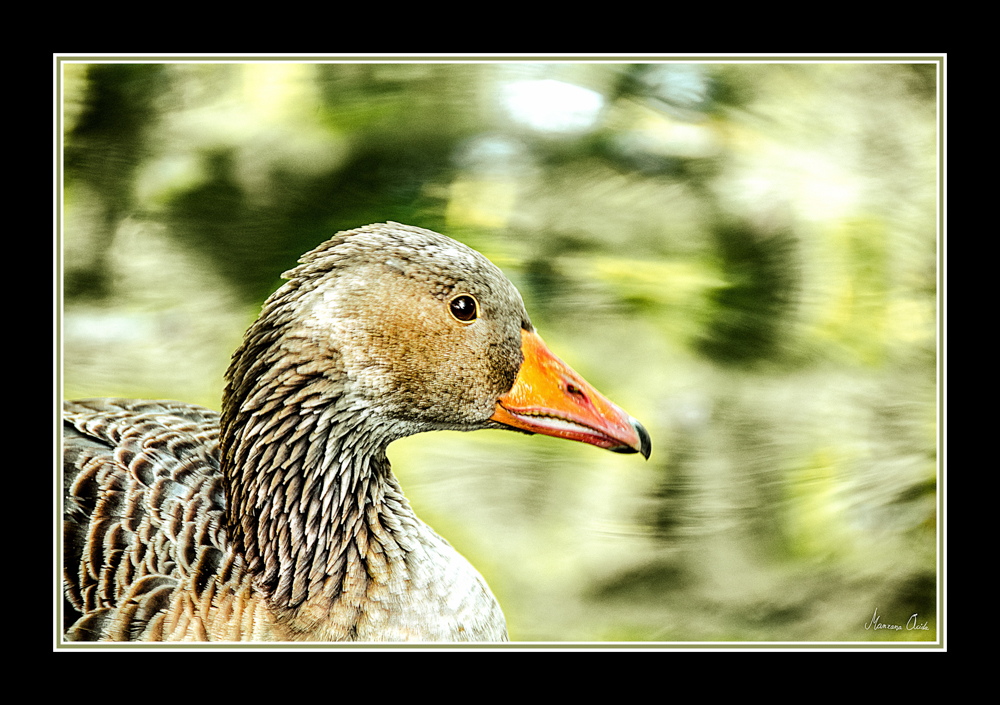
(463, 308)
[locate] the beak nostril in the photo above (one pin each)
(575, 391)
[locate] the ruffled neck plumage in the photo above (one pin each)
(311, 502)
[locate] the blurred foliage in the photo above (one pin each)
(742, 255)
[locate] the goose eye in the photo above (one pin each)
(464, 308)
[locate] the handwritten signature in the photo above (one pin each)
(912, 623)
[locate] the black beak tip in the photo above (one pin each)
(645, 445)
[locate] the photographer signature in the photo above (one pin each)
(912, 623)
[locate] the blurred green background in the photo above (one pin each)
(742, 255)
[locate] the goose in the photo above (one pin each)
(280, 518)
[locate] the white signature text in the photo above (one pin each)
(912, 623)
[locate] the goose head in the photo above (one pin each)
(418, 333)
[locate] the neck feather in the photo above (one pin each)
(312, 504)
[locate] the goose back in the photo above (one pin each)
(147, 556)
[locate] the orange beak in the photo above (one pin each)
(548, 397)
